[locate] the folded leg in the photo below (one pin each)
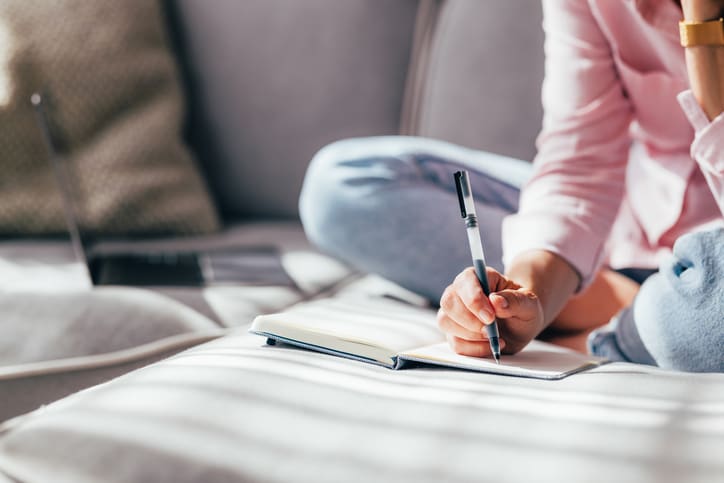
(387, 205)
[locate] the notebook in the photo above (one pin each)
(398, 335)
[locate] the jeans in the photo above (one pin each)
(387, 205)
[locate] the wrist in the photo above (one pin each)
(702, 10)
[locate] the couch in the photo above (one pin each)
(164, 384)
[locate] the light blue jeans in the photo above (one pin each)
(387, 205)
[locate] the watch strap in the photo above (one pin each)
(701, 33)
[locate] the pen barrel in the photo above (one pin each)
(492, 331)
(476, 249)
(467, 209)
(482, 275)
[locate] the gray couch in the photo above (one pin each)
(269, 82)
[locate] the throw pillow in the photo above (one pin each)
(114, 99)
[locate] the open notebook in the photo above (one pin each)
(394, 334)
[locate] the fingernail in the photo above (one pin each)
(502, 301)
(486, 316)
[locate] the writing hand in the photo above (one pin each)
(464, 311)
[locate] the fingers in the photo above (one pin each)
(465, 313)
(522, 305)
(451, 327)
(471, 348)
(468, 289)
(499, 282)
(452, 305)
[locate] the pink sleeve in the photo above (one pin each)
(569, 205)
(708, 146)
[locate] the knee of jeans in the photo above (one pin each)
(324, 201)
(680, 332)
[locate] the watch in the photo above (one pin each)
(701, 33)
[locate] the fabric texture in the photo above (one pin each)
(55, 343)
(619, 340)
(475, 93)
(620, 172)
(113, 97)
(680, 312)
(40, 327)
(272, 81)
(677, 319)
(236, 410)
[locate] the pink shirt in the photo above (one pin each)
(627, 160)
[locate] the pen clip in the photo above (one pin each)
(459, 187)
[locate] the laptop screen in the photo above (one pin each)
(62, 177)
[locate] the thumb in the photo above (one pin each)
(521, 304)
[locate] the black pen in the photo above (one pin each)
(467, 209)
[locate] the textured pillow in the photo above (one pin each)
(115, 100)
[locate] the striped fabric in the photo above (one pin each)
(236, 410)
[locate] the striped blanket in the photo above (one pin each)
(235, 409)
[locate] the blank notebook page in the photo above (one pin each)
(538, 359)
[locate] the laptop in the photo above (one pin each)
(249, 265)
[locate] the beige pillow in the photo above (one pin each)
(116, 102)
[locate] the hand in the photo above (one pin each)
(465, 310)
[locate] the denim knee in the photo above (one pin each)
(679, 312)
(337, 183)
(316, 201)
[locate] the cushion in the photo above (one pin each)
(114, 101)
(273, 81)
(54, 343)
(481, 82)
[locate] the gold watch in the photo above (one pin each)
(701, 33)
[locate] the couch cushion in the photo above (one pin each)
(272, 81)
(114, 103)
(86, 333)
(482, 78)
(236, 410)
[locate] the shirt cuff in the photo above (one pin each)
(556, 234)
(708, 146)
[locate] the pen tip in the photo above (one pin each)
(497, 358)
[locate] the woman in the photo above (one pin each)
(631, 158)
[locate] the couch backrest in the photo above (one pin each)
(482, 76)
(272, 81)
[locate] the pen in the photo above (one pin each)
(467, 209)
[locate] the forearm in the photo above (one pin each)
(705, 64)
(547, 275)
